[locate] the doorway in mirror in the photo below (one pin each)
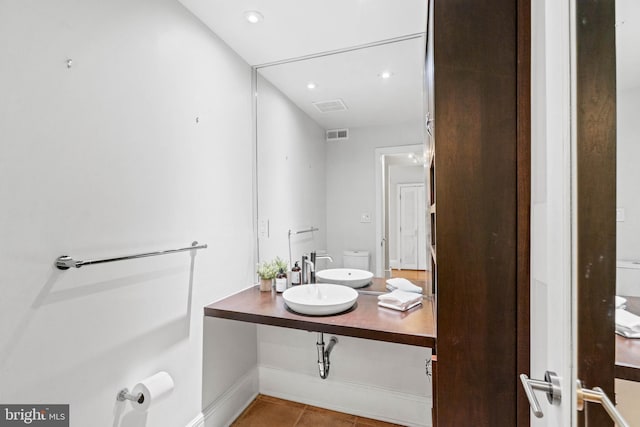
(422, 275)
(402, 227)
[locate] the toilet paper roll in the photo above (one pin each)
(153, 389)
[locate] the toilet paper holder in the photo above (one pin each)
(147, 392)
(125, 395)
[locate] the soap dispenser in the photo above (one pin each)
(296, 275)
(281, 281)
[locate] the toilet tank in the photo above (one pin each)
(356, 259)
(628, 278)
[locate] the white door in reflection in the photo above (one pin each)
(411, 227)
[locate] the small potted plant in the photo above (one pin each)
(267, 272)
(281, 264)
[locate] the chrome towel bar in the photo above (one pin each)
(308, 230)
(293, 233)
(65, 262)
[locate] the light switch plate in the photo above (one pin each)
(263, 228)
(365, 217)
(620, 214)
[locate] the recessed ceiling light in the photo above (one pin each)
(385, 74)
(311, 85)
(253, 16)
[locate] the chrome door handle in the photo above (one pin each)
(597, 395)
(550, 385)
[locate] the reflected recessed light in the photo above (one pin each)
(311, 85)
(385, 74)
(253, 16)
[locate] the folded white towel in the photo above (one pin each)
(402, 284)
(627, 321)
(627, 334)
(401, 300)
(403, 308)
(620, 302)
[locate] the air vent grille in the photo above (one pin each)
(337, 134)
(330, 106)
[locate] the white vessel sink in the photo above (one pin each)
(320, 299)
(345, 276)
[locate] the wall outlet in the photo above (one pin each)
(620, 214)
(365, 217)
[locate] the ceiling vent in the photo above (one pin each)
(337, 134)
(330, 106)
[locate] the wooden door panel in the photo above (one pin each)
(596, 175)
(476, 189)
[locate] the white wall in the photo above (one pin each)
(291, 177)
(351, 185)
(367, 378)
(106, 158)
(628, 173)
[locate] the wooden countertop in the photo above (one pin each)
(366, 320)
(628, 350)
(414, 327)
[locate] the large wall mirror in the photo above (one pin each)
(340, 151)
(628, 149)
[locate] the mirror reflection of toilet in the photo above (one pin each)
(356, 259)
(628, 278)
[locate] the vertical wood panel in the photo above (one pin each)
(524, 205)
(596, 157)
(434, 400)
(477, 222)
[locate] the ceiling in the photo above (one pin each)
(405, 159)
(354, 78)
(297, 28)
(292, 29)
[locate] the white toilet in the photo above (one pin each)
(628, 278)
(356, 259)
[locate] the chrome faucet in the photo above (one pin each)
(310, 275)
(314, 259)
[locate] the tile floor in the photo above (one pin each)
(267, 411)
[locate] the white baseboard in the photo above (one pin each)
(363, 400)
(226, 408)
(394, 263)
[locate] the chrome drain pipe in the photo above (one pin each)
(323, 354)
